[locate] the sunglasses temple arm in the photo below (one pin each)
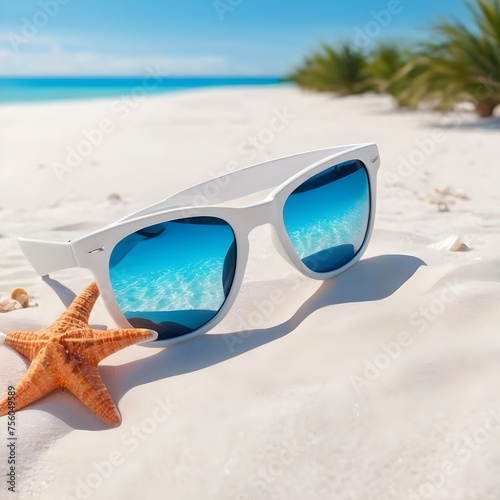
(244, 182)
(48, 256)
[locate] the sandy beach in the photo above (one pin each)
(379, 384)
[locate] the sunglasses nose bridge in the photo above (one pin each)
(256, 215)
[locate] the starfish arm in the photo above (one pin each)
(28, 344)
(86, 384)
(95, 345)
(37, 382)
(78, 313)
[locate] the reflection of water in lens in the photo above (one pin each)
(327, 216)
(174, 273)
(196, 286)
(324, 233)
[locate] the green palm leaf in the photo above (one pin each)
(463, 63)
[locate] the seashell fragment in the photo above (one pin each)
(7, 305)
(21, 295)
(451, 244)
(443, 206)
(114, 198)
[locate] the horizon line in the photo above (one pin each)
(235, 76)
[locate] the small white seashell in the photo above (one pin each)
(7, 305)
(461, 194)
(451, 244)
(21, 295)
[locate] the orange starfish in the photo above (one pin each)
(67, 354)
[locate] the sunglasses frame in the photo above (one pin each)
(211, 199)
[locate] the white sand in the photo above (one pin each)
(275, 414)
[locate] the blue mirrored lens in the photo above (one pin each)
(327, 216)
(175, 276)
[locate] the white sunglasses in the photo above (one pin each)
(176, 266)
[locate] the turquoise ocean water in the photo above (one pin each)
(24, 90)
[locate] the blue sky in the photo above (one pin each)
(194, 37)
